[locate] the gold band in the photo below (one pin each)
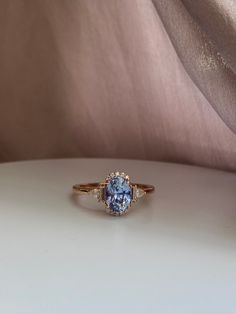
(85, 188)
(116, 192)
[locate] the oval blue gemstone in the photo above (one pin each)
(118, 195)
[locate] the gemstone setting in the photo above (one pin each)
(118, 193)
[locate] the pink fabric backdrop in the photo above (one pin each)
(117, 78)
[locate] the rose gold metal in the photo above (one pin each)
(87, 187)
(97, 189)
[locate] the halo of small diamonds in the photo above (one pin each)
(118, 193)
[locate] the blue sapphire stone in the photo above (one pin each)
(118, 195)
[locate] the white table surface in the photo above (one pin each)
(173, 253)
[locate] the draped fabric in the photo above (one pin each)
(119, 78)
(204, 35)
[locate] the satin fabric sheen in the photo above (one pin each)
(120, 78)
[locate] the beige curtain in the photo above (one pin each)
(119, 78)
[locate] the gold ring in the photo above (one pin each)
(116, 192)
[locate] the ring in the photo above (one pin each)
(117, 192)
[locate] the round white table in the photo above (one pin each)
(175, 252)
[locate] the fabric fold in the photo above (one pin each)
(197, 49)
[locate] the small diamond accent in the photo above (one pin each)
(139, 193)
(95, 193)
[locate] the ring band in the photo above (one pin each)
(117, 192)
